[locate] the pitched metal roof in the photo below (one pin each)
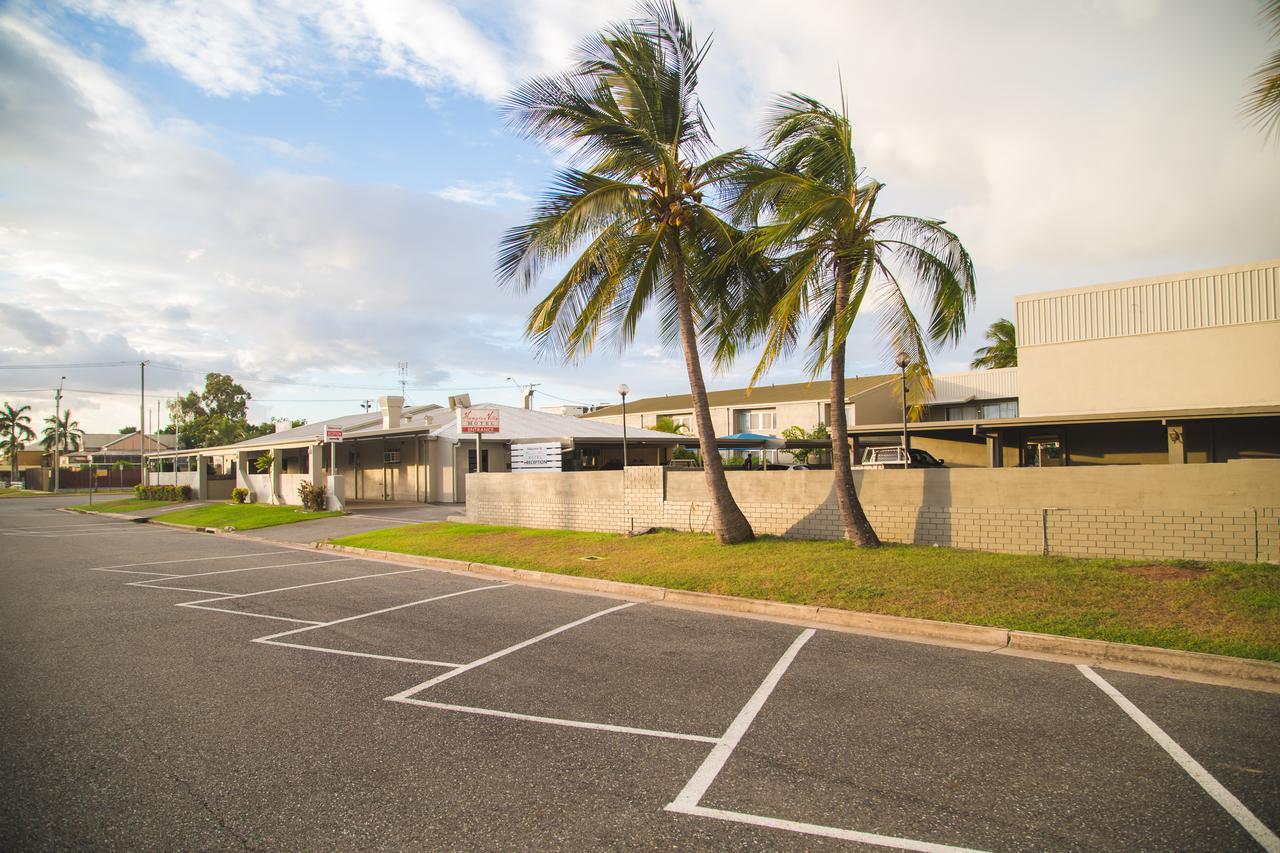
(518, 424)
(795, 392)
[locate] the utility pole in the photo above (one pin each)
(57, 434)
(142, 420)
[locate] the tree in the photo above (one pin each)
(15, 431)
(1001, 349)
(633, 223)
(814, 208)
(128, 430)
(66, 433)
(665, 424)
(798, 433)
(216, 416)
(1262, 103)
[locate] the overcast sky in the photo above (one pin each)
(305, 194)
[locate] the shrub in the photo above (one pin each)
(262, 464)
(162, 493)
(239, 494)
(313, 496)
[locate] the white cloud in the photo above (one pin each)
(484, 193)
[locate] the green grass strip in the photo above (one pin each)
(242, 516)
(125, 506)
(1222, 608)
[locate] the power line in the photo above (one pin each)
(60, 366)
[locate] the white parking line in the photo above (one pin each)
(557, 721)
(145, 584)
(193, 560)
(1194, 769)
(686, 802)
(226, 597)
(387, 610)
(418, 688)
(247, 613)
(701, 780)
(445, 664)
(132, 572)
(820, 830)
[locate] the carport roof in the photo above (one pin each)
(1176, 415)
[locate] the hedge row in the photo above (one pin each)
(162, 493)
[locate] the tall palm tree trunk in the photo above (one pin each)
(727, 520)
(856, 526)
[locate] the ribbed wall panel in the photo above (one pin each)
(1227, 298)
(976, 384)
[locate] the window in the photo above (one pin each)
(685, 420)
(755, 420)
(982, 411)
(826, 415)
(471, 460)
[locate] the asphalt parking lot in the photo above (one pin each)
(167, 689)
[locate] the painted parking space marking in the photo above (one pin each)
(418, 688)
(248, 569)
(273, 639)
(191, 560)
(558, 721)
(688, 800)
(1238, 810)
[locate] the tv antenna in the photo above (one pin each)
(403, 367)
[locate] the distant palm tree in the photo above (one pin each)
(665, 424)
(1262, 103)
(632, 224)
(1002, 349)
(66, 433)
(814, 209)
(15, 431)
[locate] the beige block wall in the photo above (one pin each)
(1221, 512)
(1198, 368)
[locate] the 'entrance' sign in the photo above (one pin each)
(478, 420)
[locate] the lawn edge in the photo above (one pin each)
(1177, 663)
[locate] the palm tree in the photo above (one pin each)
(665, 424)
(1262, 103)
(66, 433)
(15, 431)
(632, 224)
(814, 209)
(1001, 349)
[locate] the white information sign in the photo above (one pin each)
(332, 433)
(536, 457)
(477, 420)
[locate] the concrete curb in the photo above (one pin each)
(1166, 660)
(107, 515)
(1258, 674)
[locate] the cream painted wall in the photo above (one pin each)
(1198, 368)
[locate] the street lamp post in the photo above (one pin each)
(902, 361)
(57, 434)
(623, 390)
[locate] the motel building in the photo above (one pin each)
(1172, 369)
(399, 454)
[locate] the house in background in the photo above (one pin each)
(405, 454)
(112, 447)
